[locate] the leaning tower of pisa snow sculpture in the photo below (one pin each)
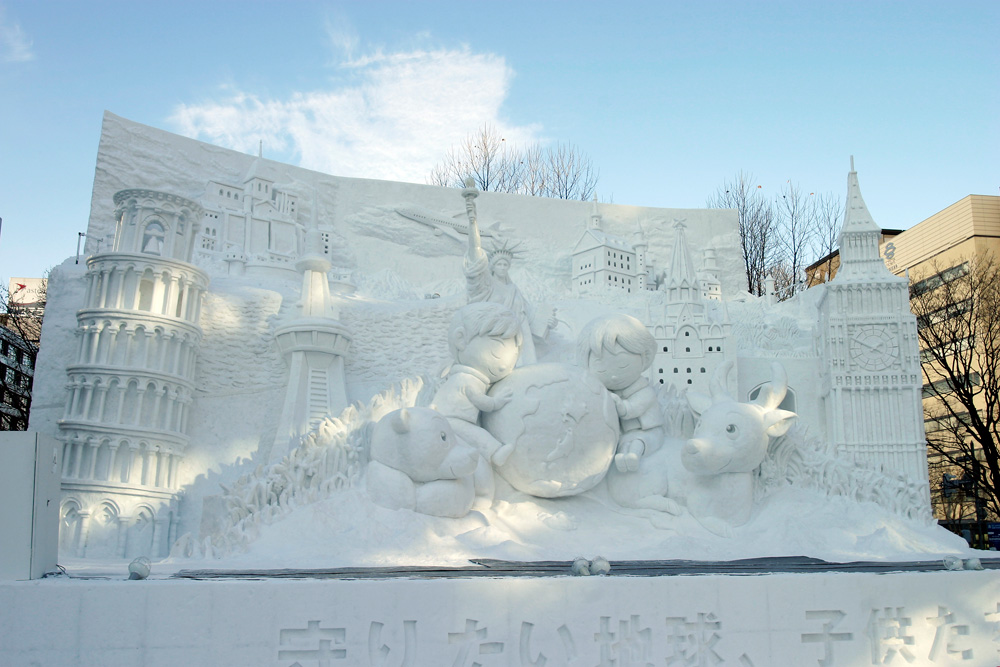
(131, 383)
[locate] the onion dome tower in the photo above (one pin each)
(131, 383)
(691, 332)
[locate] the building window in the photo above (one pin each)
(946, 386)
(152, 238)
(935, 281)
(944, 313)
(931, 353)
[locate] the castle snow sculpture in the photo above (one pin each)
(259, 338)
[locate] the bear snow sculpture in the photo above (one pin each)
(729, 443)
(417, 463)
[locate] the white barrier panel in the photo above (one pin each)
(946, 618)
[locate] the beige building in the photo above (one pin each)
(932, 253)
(967, 228)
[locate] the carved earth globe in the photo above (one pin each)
(563, 425)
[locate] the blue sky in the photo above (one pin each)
(668, 99)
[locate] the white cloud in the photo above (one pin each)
(340, 33)
(15, 46)
(395, 119)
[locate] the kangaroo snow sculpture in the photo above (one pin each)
(729, 443)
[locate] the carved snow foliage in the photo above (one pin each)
(759, 331)
(678, 418)
(328, 459)
(800, 459)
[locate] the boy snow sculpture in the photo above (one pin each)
(617, 349)
(484, 339)
(487, 279)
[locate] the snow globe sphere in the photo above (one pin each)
(563, 425)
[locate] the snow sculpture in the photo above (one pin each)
(870, 346)
(562, 425)
(487, 279)
(692, 329)
(252, 228)
(131, 383)
(314, 344)
(617, 350)
(729, 443)
(602, 260)
(156, 414)
(484, 339)
(417, 463)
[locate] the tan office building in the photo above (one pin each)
(932, 253)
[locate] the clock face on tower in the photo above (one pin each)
(873, 348)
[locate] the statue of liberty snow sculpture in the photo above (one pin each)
(487, 279)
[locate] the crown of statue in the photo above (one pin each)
(504, 250)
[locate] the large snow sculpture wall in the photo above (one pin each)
(154, 420)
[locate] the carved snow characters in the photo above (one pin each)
(417, 463)
(617, 349)
(715, 478)
(485, 339)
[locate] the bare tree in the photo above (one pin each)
(829, 220)
(570, 173)
(20, 331)
(784, 279)
(535, 172)
(757, 226)
(485, 156)
(796, 233)
(561, 171)
(958, 320)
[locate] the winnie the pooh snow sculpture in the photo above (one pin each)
(417, 463)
